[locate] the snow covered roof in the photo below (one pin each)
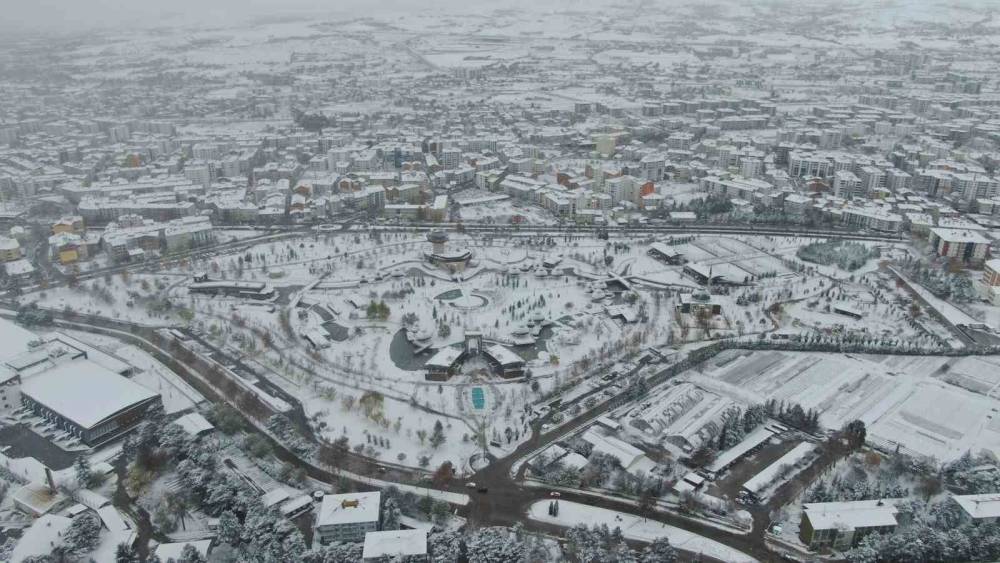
(980, 506)
(274, 497)
(395, 543)
(960, 235)
(665, 249)
(769, 474)
(624, 452)
(349, 508)
(296, 505)
(112, 519)
(755, 438)
(166, 551)
(194, 424)
(15, 339)
(444, 357)
(44, 535)
(503, 355)
(851, 515)
(573, 460)
(84, 392)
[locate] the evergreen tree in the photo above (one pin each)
(125, 554)
(84, 474)
(437, 436)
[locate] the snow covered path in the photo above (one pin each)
(635, 528)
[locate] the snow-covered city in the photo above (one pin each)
(588, 281)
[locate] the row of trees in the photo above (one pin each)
(936, 533)
(846, 255)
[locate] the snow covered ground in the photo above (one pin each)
(635, 528)
(935, 406)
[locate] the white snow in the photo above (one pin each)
(635, 528)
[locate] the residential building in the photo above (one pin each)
(979, 509)
(963, 244)
(841, 525)
(410, 545)
(347, 517)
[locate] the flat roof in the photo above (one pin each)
(851, 514)
(624, 452)
(194, 423)
(349, 508)
(84, 392)
(769, 474)
(980, 506)
(41, 537)
(274, 497)
(755, 438)
(664, 249)
(959, 235)
(444, 357)
(15, 339)
(395, 543)
(503, 355)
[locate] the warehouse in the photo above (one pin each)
(88, 401)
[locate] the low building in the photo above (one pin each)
(665, 253)
(979, 509)
(683, 217)
(347, 517)
(88, 401)
(631, 458)
(503, 361)
(396, 544)
(174, 551)
(259, 291)
(841, 525)
(41, 538)
(697, 305)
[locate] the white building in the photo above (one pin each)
(979, 509)
(392, 544)
(347, 517)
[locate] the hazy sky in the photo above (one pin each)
(79, 15)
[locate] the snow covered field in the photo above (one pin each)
(935, 406)
(635, 528)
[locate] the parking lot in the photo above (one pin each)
(20, 441)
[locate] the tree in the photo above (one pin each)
(84, 474)
(190, 554)
(125, 554)
(855, 433)
(81, 537)
(437, 436)
(229, 528)
(660, 551)
(444, 330)
(390, 515)
(929, 486)
(444, 473)
(702, 456)
(647, 502)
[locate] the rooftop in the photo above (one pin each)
(349, 508)
(85, 392)
(980, 506)
(395, 543)
(852, 514)
(960, 235)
